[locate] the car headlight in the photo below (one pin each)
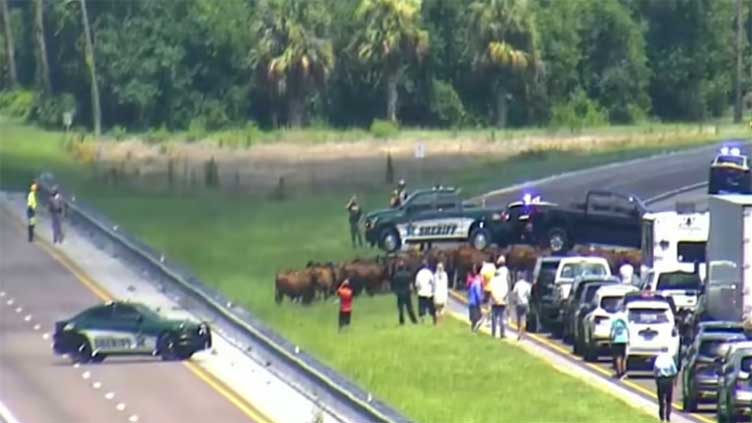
(69, 326)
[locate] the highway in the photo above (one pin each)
(39, 387)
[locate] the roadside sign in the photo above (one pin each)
(420, 150)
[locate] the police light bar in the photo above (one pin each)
(529, 199)
(725, 151)
(736, 151)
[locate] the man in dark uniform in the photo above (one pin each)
(355, 213)
(56, 206)
(402, 191)
(401, 282)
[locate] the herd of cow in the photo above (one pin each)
(373, 275)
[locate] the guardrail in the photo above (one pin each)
(106, 234)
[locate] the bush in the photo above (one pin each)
(445, 104)
(158, 136)
(578, 112)
(383, 129)
(18, 103)
(252, 133)
(196, 129)
(49, 110)
(118, 132)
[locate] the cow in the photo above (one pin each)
(522, 257)
(298, 285)
(614, 257)
(465, 257)
(326, 278)
(368, 275)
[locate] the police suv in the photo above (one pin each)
(123, 328)
(729, 172)
(435, 215)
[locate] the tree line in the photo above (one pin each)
(177, 64)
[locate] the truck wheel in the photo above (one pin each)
(689, 403)
(589, 354)
(558, 241)
(480, 238)
(390, 240)
(83, 352)
(166, 347)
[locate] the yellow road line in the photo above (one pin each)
(241, 403)
(592, 366)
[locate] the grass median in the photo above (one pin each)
(441, 374)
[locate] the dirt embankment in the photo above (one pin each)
(260, 168)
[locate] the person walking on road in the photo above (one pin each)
(665, 371)
(619, 339)
(345, 294)
(521, 292)
(440, 290)
(424, 286)
(57, 208)
(355, 213)
(499, 289)
(487, 272)
(475, 300)
(31, 210)
(401, 286)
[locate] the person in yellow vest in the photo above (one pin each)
(31, 209)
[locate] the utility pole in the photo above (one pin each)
(738, 77)
(10, 49)
(95, 105)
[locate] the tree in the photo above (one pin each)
(390, 34)
(503, 41)
(96, 108)
(292, 50)
(10, 47)
(739, 46)
(43, 68)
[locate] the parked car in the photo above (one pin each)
(124, 328)
(652, 329)
(699, 375)
(583, 292)
(595, 335)
(604, 217)
(734, 397)
(729, 172)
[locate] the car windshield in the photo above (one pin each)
(647, 315)
(678, 280)
(723, 329)
(746, 364)
(147, 312)
(610, 304)
(709, 348)
(735, 160)
(548, 272)
(573, 270)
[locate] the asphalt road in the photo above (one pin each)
(40, 387)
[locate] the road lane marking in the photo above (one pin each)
(96, 385)
(37, 326)
(27, 318)
(241, 403)
(109, 396)
(86, 375)
(120, 406)
(133, 418)
(6, 415)
(592, 366)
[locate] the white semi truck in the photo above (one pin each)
(728, 288)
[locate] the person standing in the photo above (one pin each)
(402, 192)
(665, 371)
(626, 271)
(487, 272)
(619, 339)
(499, 290)
(440, 290)
(401, 287)
(56, 206)
(521, 293)
(424, 286)
(475, 300)
(345, 294)
(31, 210)
(355, 213)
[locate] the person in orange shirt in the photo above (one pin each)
(345, 294)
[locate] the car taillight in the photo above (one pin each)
(742, 384)
(600, 319)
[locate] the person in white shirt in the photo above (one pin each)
(440, 290)
(626, 271)
(521, 292)
(665, 371)
(424, 286)
(499, 289)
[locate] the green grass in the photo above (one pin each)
(237, 244)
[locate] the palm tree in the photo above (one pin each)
(391, 34)
(292, 52)
(502, 40)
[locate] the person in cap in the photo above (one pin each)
(402, 191)
(56, 207)
(499, 290)
(424, 285)
(31, 209)
(354, 215)
(665, 371)
(626, 271)
(401, 286)
(345, 294)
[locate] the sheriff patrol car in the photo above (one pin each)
(729, 172)
(123, 328)
(435, 215)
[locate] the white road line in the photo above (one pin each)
(86, 374)
(109, 395)
(120, 406)
(133, 418)
(37, 326)
(96, 385)
(2, 294)
(10, 302)
(19, 309)
(27, 318)
(6, 415)
(45, 336)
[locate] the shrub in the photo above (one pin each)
(578, 112)
(18, 103)
(49, 110)
(119, 132)
(383, 129)
(211, 174)
(252, 133)
(445, 104)
(158, 136)
(196, 129)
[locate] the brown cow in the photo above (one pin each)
(364, 274)
(298, 285)
(614, 257)
(325, 278)
(522, 257)
(465, 257)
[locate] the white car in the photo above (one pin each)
(596, 328)
(682, 286)
(652, 330)
(570, 268)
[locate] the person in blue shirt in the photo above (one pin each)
(665, 371)
(619, 341)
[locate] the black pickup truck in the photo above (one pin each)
(605, 217)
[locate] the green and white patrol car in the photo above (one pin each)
(124, 328)
(435, 215)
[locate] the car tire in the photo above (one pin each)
(576, 347)
(689, 403)
(712, 185)
(389, 240)
(558, 240)
(166, 347)
(533, 325)
(83, 353)
(589, 354)
(98, 357)
(480, 238)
